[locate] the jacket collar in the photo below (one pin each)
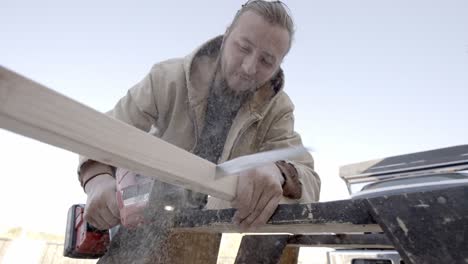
(205, 60)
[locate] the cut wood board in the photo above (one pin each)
(35, 111)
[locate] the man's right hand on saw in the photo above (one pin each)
(101, 209)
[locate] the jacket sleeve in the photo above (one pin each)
(302, 183)
(137, 108)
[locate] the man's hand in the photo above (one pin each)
(101, 209)
(257, 196)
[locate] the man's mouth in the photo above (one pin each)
(245, 78)
(243, 82)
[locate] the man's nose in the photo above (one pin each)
(249, 65)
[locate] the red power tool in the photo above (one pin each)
(133, 195)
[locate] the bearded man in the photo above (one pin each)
(225, 100)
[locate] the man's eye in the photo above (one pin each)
(244, 48)
(266, 63)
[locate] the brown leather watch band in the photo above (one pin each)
(292, 187)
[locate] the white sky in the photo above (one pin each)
(369, 79)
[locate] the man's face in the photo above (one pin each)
(252, 52)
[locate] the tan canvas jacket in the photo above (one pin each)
(170, 103)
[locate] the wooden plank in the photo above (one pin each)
(194, 248)
(290, 255)
(32, 110)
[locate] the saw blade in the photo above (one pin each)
(243, 163)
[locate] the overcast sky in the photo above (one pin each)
(369, 79)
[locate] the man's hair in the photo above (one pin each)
(275, 12)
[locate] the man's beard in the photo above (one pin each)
(228, 99)
(222, 106)
(221, 86)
